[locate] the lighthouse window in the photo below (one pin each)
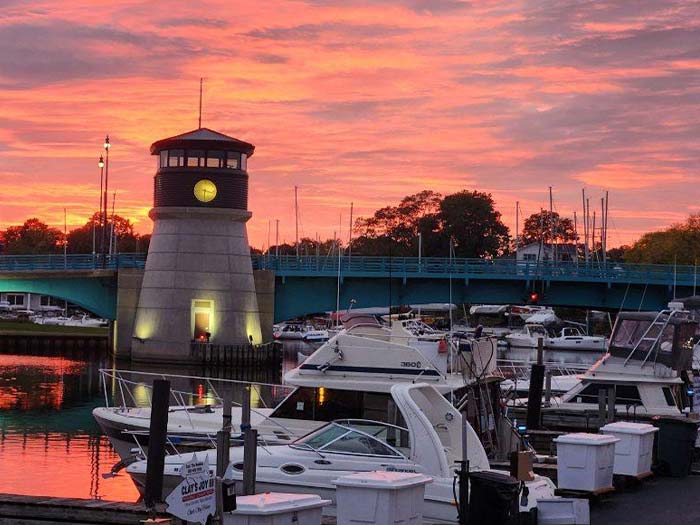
(244, 161)
(195, 158)
(176, 158)
(164, 158)
(233, 159)
(215, 159)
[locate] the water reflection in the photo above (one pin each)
(49, 443)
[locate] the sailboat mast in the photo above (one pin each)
(350, 233)
(296, 221)
(517, 223)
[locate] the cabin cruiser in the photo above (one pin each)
(647, 353)
(291, 330)
(314, 335)
(425, 437)
(350, 377)
(572, 338)
(528, 337)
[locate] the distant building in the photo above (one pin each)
(31, 301)
(536, 252)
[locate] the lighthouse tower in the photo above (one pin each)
(198, 283)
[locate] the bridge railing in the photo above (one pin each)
(71, 261)
(424, 267)
(463, 267)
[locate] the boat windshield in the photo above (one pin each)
(357, 437)
(537, 330)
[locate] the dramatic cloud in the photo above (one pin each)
(360, 101)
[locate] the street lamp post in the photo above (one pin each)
(101, 164)
(107, 146)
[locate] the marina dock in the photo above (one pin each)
(657, 500)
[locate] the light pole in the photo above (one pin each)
(101, 164)
(107, 146)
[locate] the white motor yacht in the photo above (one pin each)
(647, 353)
(571, 338)
(316, 336)
(291, 330)
(425, 438)
(528, 336)
(350, 377)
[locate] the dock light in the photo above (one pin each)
(522, 429)
(690, 391)
(101, 162)
(107, 144)
(534, 297)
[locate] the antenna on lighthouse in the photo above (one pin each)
(201, 83)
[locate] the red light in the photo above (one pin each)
(534, 297)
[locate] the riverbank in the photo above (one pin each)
(19, 328)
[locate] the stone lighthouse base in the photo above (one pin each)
(198, 284)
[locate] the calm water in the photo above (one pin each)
(49, 443)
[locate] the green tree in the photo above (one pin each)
(32, 237)
(678, 243)
(470, 219)
(80, 240)
(548, 227)
(395, 228)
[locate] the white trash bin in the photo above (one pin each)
(585, 461)
(277, 508)
(563, 511)
(381, 498)
(633, 452)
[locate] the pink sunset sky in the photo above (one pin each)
(357, 101)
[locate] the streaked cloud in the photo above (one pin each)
(360, 101)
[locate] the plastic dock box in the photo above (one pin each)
(585, 461)
(633, 452)
(277, 508)
(381, 498)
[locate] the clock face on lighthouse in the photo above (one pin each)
(205, 190)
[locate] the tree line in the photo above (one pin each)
(36, 237)
(464, 224)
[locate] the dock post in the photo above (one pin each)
(547, 388)
(250, 460)
(611, 404)
(534, 396)
(601, 407)
(250, 445)
(157, 437)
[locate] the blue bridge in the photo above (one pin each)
(309, 284)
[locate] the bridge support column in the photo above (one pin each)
(265, 291)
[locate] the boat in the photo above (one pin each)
(426, 437)
(647, 353)
(528, 337)
(291, 330)
(314, 335)
(572, 338)
(349, 376)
